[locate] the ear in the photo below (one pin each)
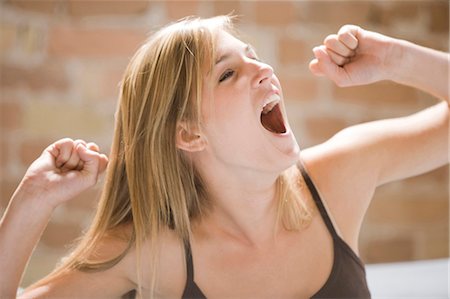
(189, 139)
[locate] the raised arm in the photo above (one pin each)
(64, 169)
(355, 161)
(357, 57)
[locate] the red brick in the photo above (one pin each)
(322, 128)
(334, 14)
(60, 235)
(10, 115)
(411, 209)
(4, 156)
(87, 200)
(388, 14)
(298, 87)
(8, 37)
(435, 244)
(275, 13)
(180, 9)
(7, 188)
(107, 7)
(30, 150)
(42, 6)
(70, 42)
(377, 95)
(389, 250)
(294, 51)
(437, 42)
(227, 7)
(48, 76)
(100, 82)
(439, 16)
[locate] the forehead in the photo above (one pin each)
(226, 42)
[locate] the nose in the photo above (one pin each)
(264, 72)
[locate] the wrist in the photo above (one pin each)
(397, 60)
(31, 193)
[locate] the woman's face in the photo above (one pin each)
(243, 115)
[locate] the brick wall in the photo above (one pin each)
(61, 62)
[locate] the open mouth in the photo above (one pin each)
(271, 116)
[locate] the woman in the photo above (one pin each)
(207, 193)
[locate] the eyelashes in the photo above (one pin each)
(227, 74)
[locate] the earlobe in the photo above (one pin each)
(189, 140)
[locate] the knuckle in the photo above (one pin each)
(93, 146)
(343, 35)
(347, 27)
(330, 39)
(65, 141)
(79, 141)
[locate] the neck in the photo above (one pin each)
(244, 204)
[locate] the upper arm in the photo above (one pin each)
(103, 284)
(415, 144)
(394, 149)
(118, 280)
(111, 282)
(349, 166)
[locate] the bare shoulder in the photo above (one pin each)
(170, 267)
(347, 168)
(345, 182)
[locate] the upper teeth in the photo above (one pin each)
(270, 102)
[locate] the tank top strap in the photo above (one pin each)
(189, 263)
(191, 290)
(318, 200)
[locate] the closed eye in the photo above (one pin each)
(227, 74)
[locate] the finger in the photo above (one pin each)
(328, 67)
(348, 40)
(91, 162)
(338, 59)
(348, 35)
(63, 149)
(93, 147)
(314, 67)
(332, 42)
(74, 160)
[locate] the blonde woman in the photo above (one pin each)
(207, 193)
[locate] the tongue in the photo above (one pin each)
(273, 121)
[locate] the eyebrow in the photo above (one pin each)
(248, 49)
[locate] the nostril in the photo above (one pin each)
(263, 79)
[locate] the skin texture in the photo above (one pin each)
(238, 243)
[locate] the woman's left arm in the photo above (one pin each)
(356, 56)
(396, 148)
(348, 167)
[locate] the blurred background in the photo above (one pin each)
(61, 62)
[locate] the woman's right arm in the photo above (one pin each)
(65, 169)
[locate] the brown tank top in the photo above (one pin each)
(347, 278)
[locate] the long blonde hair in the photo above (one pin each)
(148, 182)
